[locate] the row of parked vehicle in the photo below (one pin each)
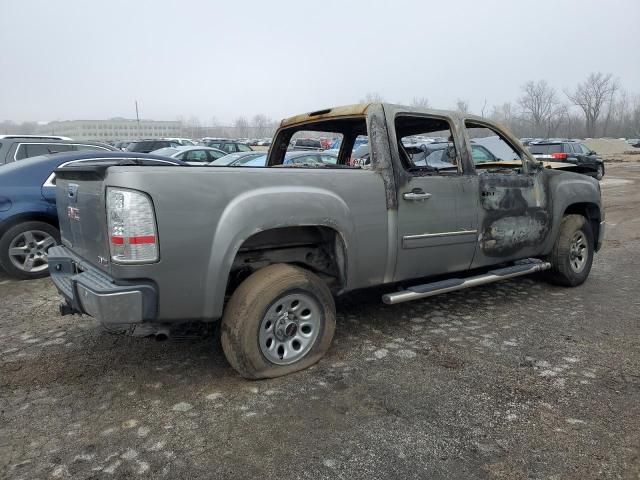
(28, 216)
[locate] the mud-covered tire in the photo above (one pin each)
(570, 265)
(250, 306)
(15, 238)
(599, 172)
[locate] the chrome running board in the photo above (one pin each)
(453, 284)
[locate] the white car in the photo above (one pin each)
(193, 155)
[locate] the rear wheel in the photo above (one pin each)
(279, 320)
(24, 249)
(572, 253)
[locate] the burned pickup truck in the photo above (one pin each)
(264, 250)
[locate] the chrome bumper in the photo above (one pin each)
(88, 290)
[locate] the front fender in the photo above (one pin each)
(567, 189)
(267, 208)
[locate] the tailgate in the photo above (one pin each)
(80, 202)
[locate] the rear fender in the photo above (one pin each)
(263, 209)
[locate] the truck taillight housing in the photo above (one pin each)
(132, 226)
(559, 156)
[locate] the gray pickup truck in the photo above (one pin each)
(265, 249)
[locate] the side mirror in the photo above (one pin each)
(592, 152)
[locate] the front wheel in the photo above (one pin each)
(599, 172)
(280, 320)
(572, 253)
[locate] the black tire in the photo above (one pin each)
(249, 305)
(13, 233)
(564, 259)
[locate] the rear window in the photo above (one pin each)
(545, 149)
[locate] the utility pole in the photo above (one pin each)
(138, 120)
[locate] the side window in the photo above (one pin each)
(35, 149)
(196, 156)
(425, 144)
(481, 154)
(583, 148)
(243, 148)
(89, 148)
(213, 155)
(508, 157)
(230, 148)
(21, 152)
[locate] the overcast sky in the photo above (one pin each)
(79, 59)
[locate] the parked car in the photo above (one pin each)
(306, 144)
(193, 155)
(291, 158)
(148, 146)
(28, 216)
(19, 147)
(228, 146)
(122, 145)
(185, 142)
(240, 158)
(585, 160)
(634, 142)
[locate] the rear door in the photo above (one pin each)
(437, 209)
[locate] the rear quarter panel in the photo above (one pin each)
(205, 214)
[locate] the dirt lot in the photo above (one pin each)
(515, 380)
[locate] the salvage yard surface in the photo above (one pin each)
(514, 380)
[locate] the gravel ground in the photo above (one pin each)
(512, 380)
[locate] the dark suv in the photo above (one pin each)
(228, 146)
(148, 146)
(18, 147)
(585, 159)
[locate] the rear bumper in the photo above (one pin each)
(88, 290)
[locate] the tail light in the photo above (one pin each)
(559, 156)
(132, 227)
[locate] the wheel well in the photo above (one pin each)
(591, 212)
(28, 217)
(317, 248)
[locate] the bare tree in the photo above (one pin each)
(242, 127)
(420, 102)
(462, 106)
(484, 107)
(372, 97)
(540, 105)
(592, 96)
(260, 123)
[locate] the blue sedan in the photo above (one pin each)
(28, 216)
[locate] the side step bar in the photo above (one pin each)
(453, 284)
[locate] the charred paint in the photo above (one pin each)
(517, 213)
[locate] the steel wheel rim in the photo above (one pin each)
(28, 250)
(290, 328)
(578, 252)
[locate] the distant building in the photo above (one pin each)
(112, 129)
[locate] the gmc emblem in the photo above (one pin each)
(73, 213)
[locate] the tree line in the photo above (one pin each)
(596, 107)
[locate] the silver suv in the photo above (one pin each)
(18, 147)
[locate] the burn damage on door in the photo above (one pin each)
(517, 213)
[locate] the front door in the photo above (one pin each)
(514, 218)
(437, 208)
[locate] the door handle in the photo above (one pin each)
(416, 195)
